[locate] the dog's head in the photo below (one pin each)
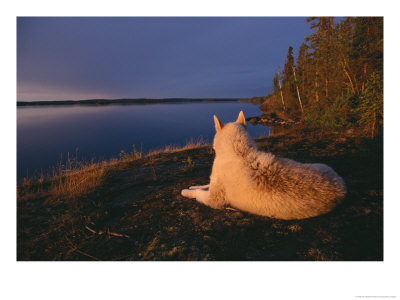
(240, 120)
(229, 135)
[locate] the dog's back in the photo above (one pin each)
(264, 184)
(284, 189)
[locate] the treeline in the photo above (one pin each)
(123, 101)
(337, 80)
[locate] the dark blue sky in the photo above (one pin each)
(82, 58)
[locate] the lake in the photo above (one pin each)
(46, 134)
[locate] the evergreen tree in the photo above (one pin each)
(288, 79)
(276, 84)
(367, 48)
(321, 46)
(302, 70)
(371, 107)
(339, 75)
(346, 77)
(288, 82)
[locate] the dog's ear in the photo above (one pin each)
(218, 124)
(241, 119)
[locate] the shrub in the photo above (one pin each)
(326, 115)
(123, 155)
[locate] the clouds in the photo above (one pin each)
(151, 57)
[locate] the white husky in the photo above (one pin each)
(261, 183)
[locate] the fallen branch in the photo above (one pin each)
(74, 248)
(100, 232)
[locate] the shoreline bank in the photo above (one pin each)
(137, 213)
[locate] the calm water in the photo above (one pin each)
(47, 134)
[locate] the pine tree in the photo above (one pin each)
(367, 48)
(339, 75)
(288, 82)
(302, 70)
(288, 78)
(346, 77)
(371, 107)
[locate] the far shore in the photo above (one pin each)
(126, 101)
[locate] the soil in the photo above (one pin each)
(138, 213)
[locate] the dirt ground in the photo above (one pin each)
(139, 214)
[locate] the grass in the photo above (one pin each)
(140, 201)
(190, 144)
(131, 156)
(75, 179)
(69, 181)
(78, 182)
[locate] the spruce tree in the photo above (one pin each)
(288, 83)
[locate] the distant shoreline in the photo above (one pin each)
(125, 101)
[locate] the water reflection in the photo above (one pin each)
(45, 134)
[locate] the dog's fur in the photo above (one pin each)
(261, 183)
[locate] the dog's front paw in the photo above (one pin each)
(187, 193)
(200, 187)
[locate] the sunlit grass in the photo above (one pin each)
(70, 180)
(190, 144)
(74, 183)
(75, 179)
(135, 154)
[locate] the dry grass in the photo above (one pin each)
(75, 178)
(132, 204)
(190, 144)
(78, 182)
(71, 180)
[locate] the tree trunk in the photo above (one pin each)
(297, 88)
(365, 78)
(326, 88)
(349, 78)
(316, 91)
(280, 87)
(316, 85)
(373, 126)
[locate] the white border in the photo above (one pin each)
(259, 280)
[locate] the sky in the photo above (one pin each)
(73, 58)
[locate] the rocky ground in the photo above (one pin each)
(138, 213)
(271, 119)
